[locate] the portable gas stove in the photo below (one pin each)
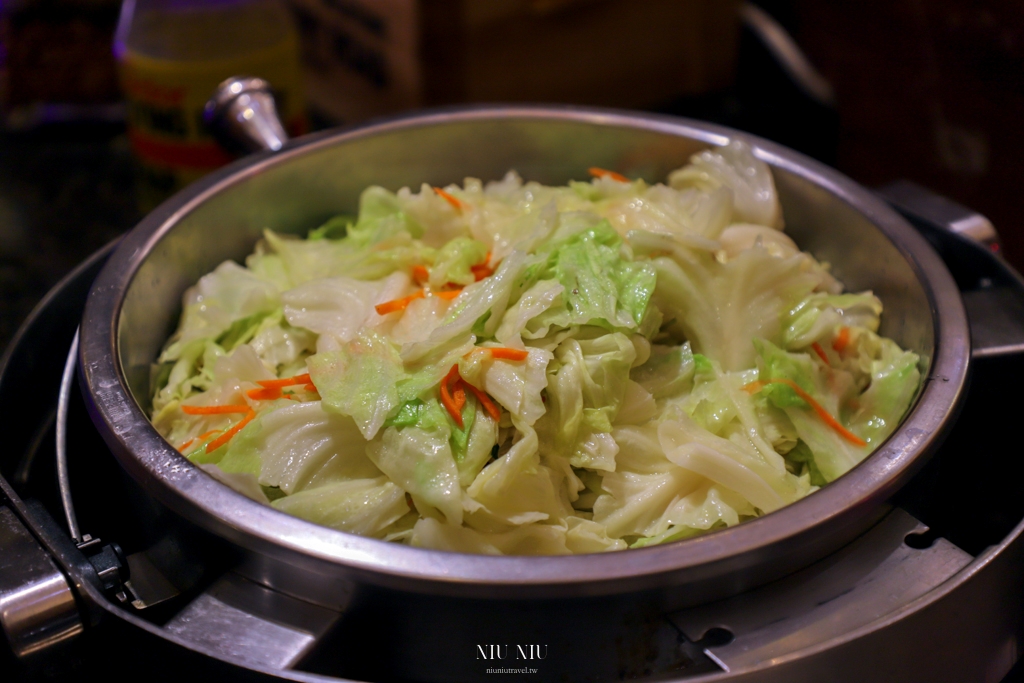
(933, 592)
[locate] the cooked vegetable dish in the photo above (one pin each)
(512, 368)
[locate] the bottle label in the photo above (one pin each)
(166, 99)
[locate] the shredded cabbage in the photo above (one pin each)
(511, 368)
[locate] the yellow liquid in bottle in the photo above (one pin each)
(173, 54)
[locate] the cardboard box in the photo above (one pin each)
(370, 57)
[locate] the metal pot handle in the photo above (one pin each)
(243, 116)
(993, 292)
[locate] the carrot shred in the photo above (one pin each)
(481, 271)
(605, 173)
(842, 339)
(202, 437)
(397, 304)
(459, 395)
(753, 387)
(420, 273)
(456, 203)
(826, 417)
(226, 436)
(264, 393)
(284, 381)
(214, 410)
(403, 303)
(447, 400)
(821, 352)
(485, 401)
(311, 387)
(504, 353)
(500, 353)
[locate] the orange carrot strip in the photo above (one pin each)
(504, 353)
(397, 304)
(284, 381)
(459, 395)
(403, 303)
(311, 387)
(605, 173)
(842, 339)
(420, 273)
(485, 401)
(500, 352)
(264, 393)
(452, 383)
(753, 387)
(826, 417)
(447, 401)
(456, 203)
(202, 437)
(481, 271)
(821, 352)
(226, 436)
(214, 410)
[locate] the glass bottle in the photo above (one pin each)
(172, 54)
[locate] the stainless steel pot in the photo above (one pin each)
(134, 305)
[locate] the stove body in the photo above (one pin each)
(934, 591)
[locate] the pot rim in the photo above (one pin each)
(183, 487)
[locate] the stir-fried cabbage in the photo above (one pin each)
(514, 368)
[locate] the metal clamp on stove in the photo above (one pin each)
(38, 607)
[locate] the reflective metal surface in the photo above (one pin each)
(37, 607)
(243, 115)
(134, 305)
(993, 292)
(63, 480)
(788, 54)
(997, 320)
(956, 218)
(964, 628)
(245, 622)
(872, 577)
